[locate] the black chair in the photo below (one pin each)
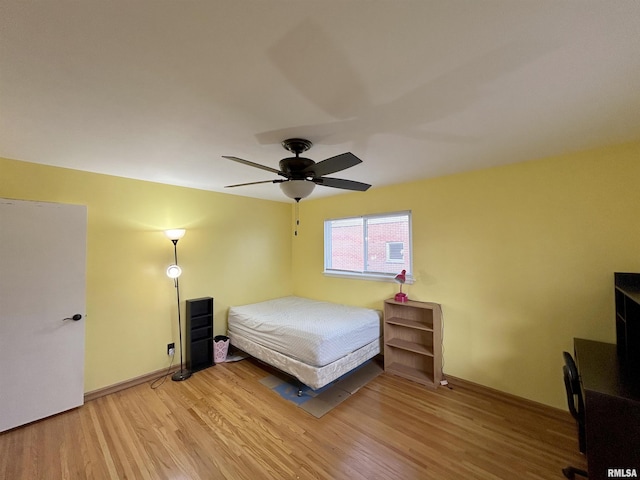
(576, 407)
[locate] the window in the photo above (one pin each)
(370, 246)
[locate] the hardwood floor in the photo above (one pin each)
(223, 424)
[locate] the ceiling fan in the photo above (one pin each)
(301, 174)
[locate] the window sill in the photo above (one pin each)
(366, 276)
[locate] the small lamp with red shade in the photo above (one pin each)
(401, 278)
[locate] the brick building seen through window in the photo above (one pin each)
(383, 240)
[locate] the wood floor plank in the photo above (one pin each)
(223, 424)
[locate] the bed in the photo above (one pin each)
(315, 342)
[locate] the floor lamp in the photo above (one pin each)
(174, 271)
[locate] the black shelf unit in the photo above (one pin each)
(199, 333)
(627, 296)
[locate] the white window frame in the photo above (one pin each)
(366, 275)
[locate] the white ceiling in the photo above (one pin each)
(159, 90)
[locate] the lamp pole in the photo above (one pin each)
(174, 272)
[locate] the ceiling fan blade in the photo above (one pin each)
(253, 164)
(342, 183)
(333, 165)
(254, 183)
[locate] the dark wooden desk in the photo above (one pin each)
(612, 410)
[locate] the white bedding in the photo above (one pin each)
(309, 331)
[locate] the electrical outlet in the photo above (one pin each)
(171, 348)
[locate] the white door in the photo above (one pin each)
(42, 287)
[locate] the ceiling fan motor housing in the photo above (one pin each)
(295, 167)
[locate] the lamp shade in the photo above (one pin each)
(174, 271)
(401, 277)
(175, 233)
(297, 189)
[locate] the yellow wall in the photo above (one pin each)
(521, 258)
(236, 249)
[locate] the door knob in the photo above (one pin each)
(75, 318)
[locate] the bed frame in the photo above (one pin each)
(313, 377)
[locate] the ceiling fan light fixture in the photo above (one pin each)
(297, 189)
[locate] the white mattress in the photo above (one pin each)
(312, 332)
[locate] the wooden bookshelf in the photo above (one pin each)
(413, 341)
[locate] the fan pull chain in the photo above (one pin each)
(297, 216)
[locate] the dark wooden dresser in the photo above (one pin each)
(612, 410)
